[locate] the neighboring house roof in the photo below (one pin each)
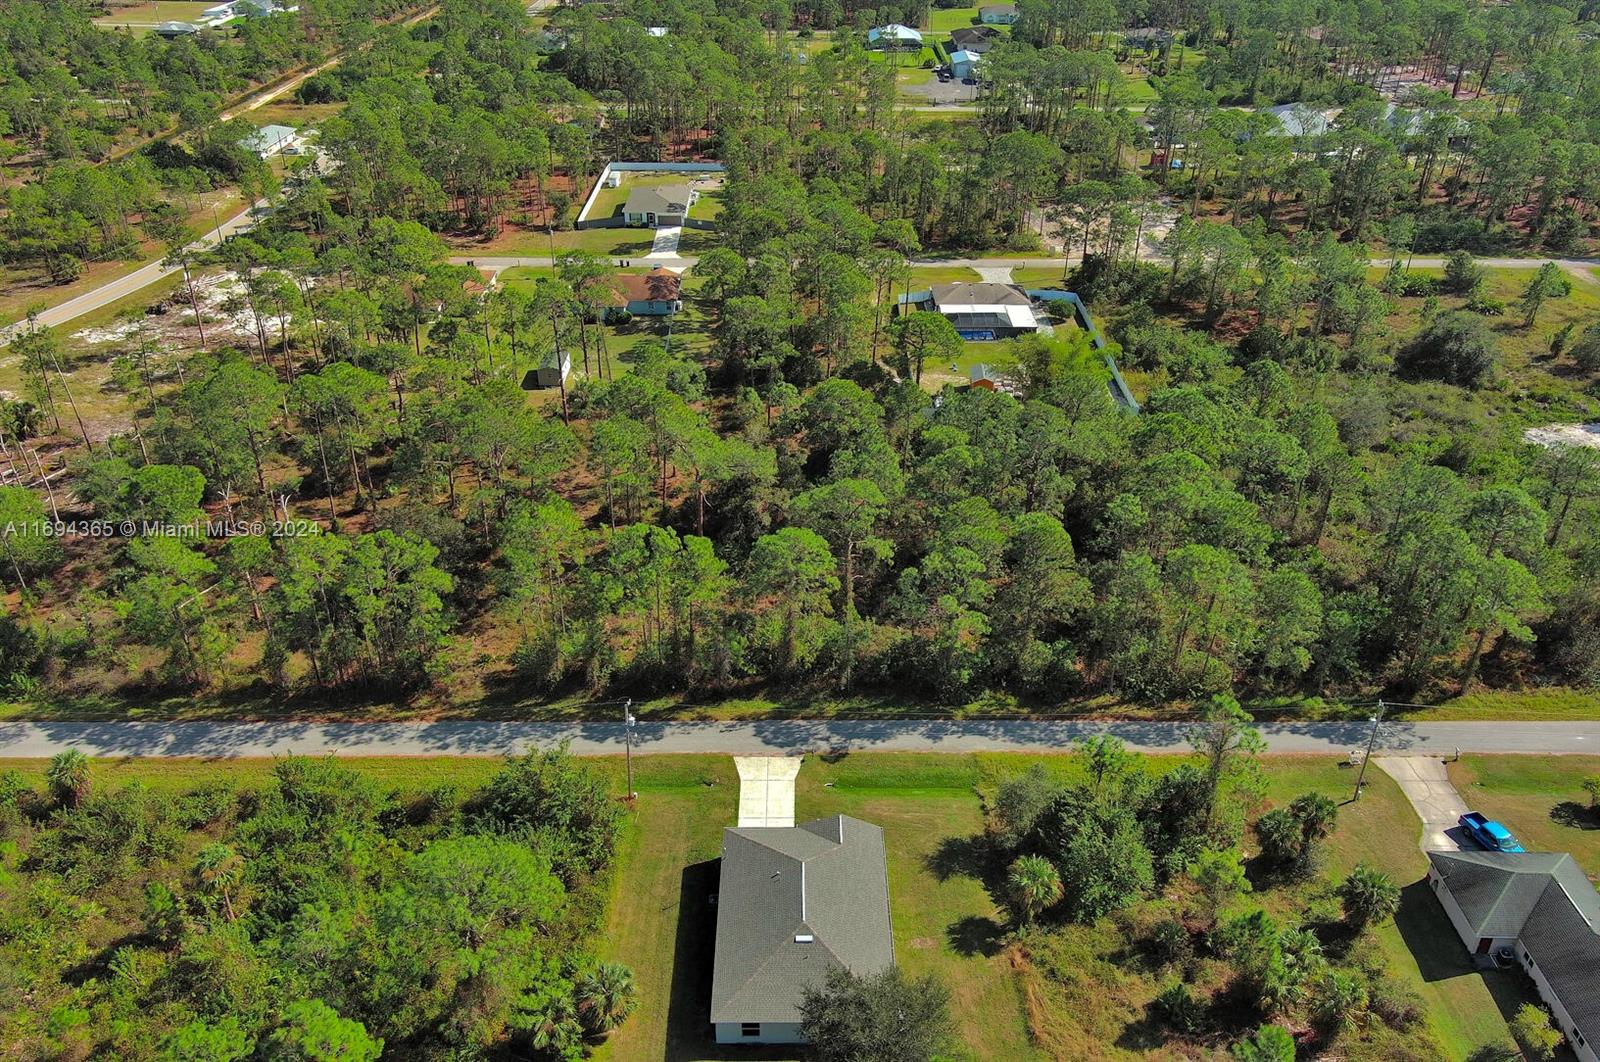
(268, 138)
(893, 31)
(175, 29)
(1543, 899)
(795, 902)
(964, 56)
(974, 38)
(983, 293)
(658, 285)
(658, 199)
(997, 9)
(1296, 119)
(981, 306)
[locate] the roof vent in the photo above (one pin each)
(803, 938)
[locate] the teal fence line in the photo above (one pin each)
(1118, 386)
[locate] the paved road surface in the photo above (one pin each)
(468, 738)
(1581, 267)
(142, 277)
(1426, 783)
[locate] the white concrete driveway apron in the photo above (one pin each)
(665, 244)
(1425, 782)
(766, 789)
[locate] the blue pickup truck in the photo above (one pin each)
(1489, 833)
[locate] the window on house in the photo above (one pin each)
(750, 1028)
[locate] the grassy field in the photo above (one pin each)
(608, 202)
(1539, 798)
(143, 17)
(945, 922)
(945, 19)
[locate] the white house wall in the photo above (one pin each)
(772, 1032)
(1464, 930)
(1585, 1051)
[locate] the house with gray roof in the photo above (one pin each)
(1539, 909)
(979, 311)
(651, 206)
(795, 902)
(974, 39)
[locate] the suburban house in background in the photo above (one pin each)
(974, 39)
(978, 311)
(794, 902)
(894, 36)
(998, 14)
(272, 140)
(1537, 909)
(171, 31)
(658, 205)
(657, 293)
(964, 64)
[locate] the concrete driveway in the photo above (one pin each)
(1426, 783)
(766, 789)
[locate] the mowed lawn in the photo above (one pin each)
(662, 922)
(1539, 798)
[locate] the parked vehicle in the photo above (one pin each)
(1489, 833)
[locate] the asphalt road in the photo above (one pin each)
(785, 737)
(140, 278)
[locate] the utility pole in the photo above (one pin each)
(1372, 739)
(627, 732)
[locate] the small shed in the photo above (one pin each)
(982, 376)
(964, 64)
(553, 369)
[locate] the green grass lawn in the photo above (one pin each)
(609, 201)
(945, 19)
(925, 276)
(1539, 798)
(143, 17)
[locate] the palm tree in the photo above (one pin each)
(1316, 815)
(68, 775)
(606, 995)
(556, 1030)
(1368, 895)
(220, 870)
(1032, 884)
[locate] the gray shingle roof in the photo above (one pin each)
(826, 878)
(660, 199)
(979, 295)
(1545, 900)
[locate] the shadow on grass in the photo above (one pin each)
(689, 1033)
(1576, 815)
(975, 935)
(971, 857)
(1440, 955)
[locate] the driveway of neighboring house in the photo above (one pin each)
(1426, 784)
(766, 789)
(665, 244)
(994, 274)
